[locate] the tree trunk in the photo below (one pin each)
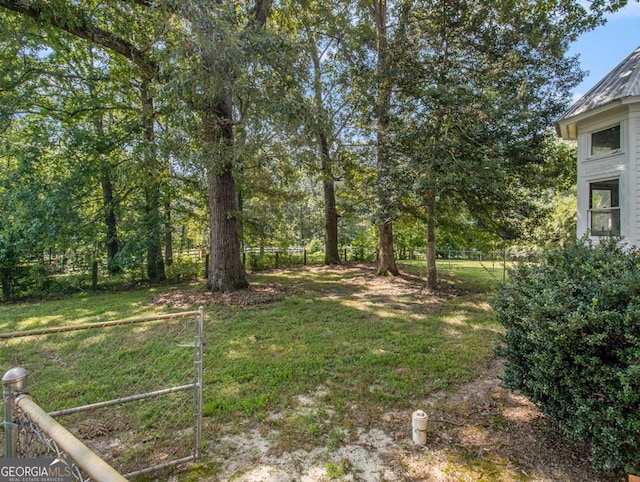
(226, 272)
(386, 259)
(5, 275)
(155, 263)
(111, 227)
(168, 240)
(432, 278)
(386, 256)
(331, 255)
(94, 275)
(153, 228)
(112, 243)
(322, 127)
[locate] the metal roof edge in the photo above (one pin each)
(582, 104)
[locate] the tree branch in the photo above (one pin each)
(76, 23)
(262, 9)
(144, 3)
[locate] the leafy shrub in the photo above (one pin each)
(260, 262)
(37, 281)
(185, 269)
(572, 344)
(315, 246)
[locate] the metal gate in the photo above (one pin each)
(139, 382)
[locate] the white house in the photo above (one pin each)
(606, 124)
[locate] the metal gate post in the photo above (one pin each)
(199, 369)
(13, 383)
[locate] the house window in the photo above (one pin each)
(606, 140)
(604, 206)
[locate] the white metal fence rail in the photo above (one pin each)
(139, 382)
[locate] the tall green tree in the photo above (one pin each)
(478, 85)
(97, 120)
(323, 105)
(201, 58)
(384, 89)
(36, 186)
(38, 189)
(88, 94)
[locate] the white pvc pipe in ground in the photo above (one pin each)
(419, 424)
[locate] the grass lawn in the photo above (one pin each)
(376, 348)
(355, 339)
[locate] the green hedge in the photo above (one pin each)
(572, 345)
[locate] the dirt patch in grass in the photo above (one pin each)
(362, 277)
(480, 431)
(358, 277)
(406, 285)
(254, 295)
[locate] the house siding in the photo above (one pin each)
(634, 164)
(615, 98)
(614, 165)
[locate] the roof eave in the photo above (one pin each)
(566, 127)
